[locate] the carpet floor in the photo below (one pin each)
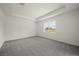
(37, 46)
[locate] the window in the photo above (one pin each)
(49, 26)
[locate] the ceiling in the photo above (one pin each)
(31, 10)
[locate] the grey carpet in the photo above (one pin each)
(37, 46)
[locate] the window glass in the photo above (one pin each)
(50, 26)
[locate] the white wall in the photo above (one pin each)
(1, 27)
(17, 28)
(67, 28)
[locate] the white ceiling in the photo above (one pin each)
(32, 10)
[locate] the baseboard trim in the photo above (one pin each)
(58, 41)
(18, 39)
(41, 37)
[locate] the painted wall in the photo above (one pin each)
(67, 28)
(17, 28)
(1, 27)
